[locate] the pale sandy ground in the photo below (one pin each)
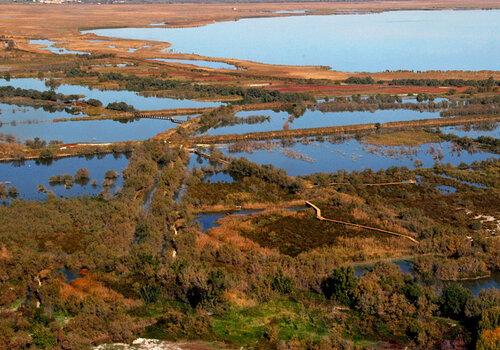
(154, 344)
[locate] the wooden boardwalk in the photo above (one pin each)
(404, 182)
(159, 116)
(321, 218)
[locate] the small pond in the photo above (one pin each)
(208, 221)
(476, 286)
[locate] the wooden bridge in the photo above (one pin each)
(160, 116)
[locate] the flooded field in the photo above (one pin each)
(417, 40)
(474, 131)
(308, 157)
(445, 189)
(28, 175)
(277, 120)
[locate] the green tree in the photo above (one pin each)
(340, 285)
(453, 301)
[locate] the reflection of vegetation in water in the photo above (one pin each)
(250, 146)
(394, 151)
(297, 155)
(483, 126)
(230, 119)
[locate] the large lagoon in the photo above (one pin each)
(414, 40)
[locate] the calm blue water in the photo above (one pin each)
(209, 220)
(69, 275)
(218, 177)
(405, 267)
(415, 40)
(352, 155)
(49, 46)
(317, 119)
(199, 63)
(468, 183)
(476, 286)
(473, 131)
(108, 96)
(24, 114)
(413, 100)
(285, 12)
(196, 161)
(92, 131)
(29, 174)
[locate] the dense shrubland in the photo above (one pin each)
(380, 102)
(225, 116)
(488, 105)
(271, 280)
(484, 85)
(277, 279)
(49, 95)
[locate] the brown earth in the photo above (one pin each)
(42, 20)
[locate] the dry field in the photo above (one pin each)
(57, 20)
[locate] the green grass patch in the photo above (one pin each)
(290, 320)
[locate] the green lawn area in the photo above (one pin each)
(286, 319)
